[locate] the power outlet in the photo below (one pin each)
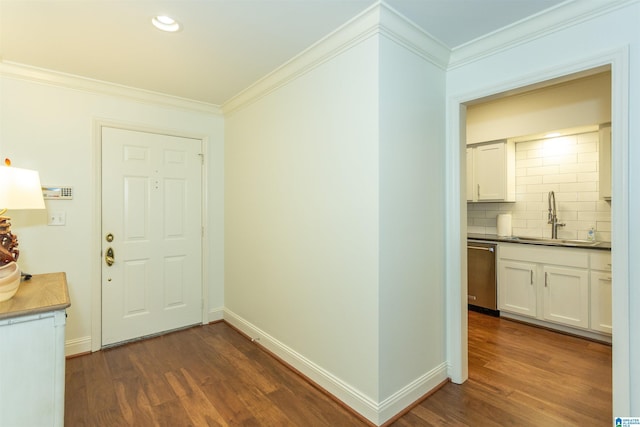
(57, 218)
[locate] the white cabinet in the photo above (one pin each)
(491, 172)
(604, 161)
(601, 292)
(566, 287)
(469, 174)
(518, 288)
(550, 284)
(566, 295)
(32, 374)
(32, 362)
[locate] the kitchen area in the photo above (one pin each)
(538, 188)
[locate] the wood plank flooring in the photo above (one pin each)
(520, 375)
(213, 376)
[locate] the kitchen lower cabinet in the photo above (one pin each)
(566, 296)
(556, 287)
(517, 292)
(601, 292)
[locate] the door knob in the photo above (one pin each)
(109, 257)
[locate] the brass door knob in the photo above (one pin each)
(109, 257)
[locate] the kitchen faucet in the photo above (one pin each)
(553, 217)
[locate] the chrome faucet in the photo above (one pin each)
(553, 217)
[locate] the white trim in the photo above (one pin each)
(96, 266)
(77, 346)
(375, 412)
(216, 314)
(456, 305)
(560, 17)
(411, 393)
(70, 81)
(455, 243)
(377, 19)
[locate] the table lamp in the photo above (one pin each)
(19, 189)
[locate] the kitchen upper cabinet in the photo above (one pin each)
(469, 174)
(566, 296)
(491, 172)
(601, 292)
(604, 151)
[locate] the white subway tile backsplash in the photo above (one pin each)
(589, 176)
(587, 206)
(578, 167)
(588, 196)
(558, 160)
(603, 206)
(571, 196)
(543, 170)
(590, 147)
(588, 157)
(587, 216)
(578, 186)
(529, 163)
(533, 179)
(568, 166)
(559, 178)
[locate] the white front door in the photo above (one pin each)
(151, 228)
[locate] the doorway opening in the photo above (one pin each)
(531, 209)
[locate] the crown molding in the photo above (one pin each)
(378, 19)
(54, 78)
(562, 16)
(400, 29)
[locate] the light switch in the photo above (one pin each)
(57, 218)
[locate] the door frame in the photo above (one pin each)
(96, 239)
(456, 228)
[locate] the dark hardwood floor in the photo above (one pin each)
(212, 375)
(520, 375)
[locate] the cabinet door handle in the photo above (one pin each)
(546, 278)
(531, 271)
(478, 190)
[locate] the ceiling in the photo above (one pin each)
(224, 46)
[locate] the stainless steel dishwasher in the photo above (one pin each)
(481, 277)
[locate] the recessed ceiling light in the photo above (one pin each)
(165, 23)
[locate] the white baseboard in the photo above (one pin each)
(77, 346)
(216, 314)
(410, 393)
(376, 412)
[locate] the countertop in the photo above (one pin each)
(42, 293)
(544, 242)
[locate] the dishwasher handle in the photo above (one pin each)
(482, 248)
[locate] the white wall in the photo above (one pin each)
(50, 129)
(605, 38)
(301, 217)
(334, 182)
(412, 327)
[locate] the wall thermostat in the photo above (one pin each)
(57, 193)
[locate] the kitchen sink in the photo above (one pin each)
(554, 242)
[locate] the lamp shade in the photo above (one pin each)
(20, 189)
